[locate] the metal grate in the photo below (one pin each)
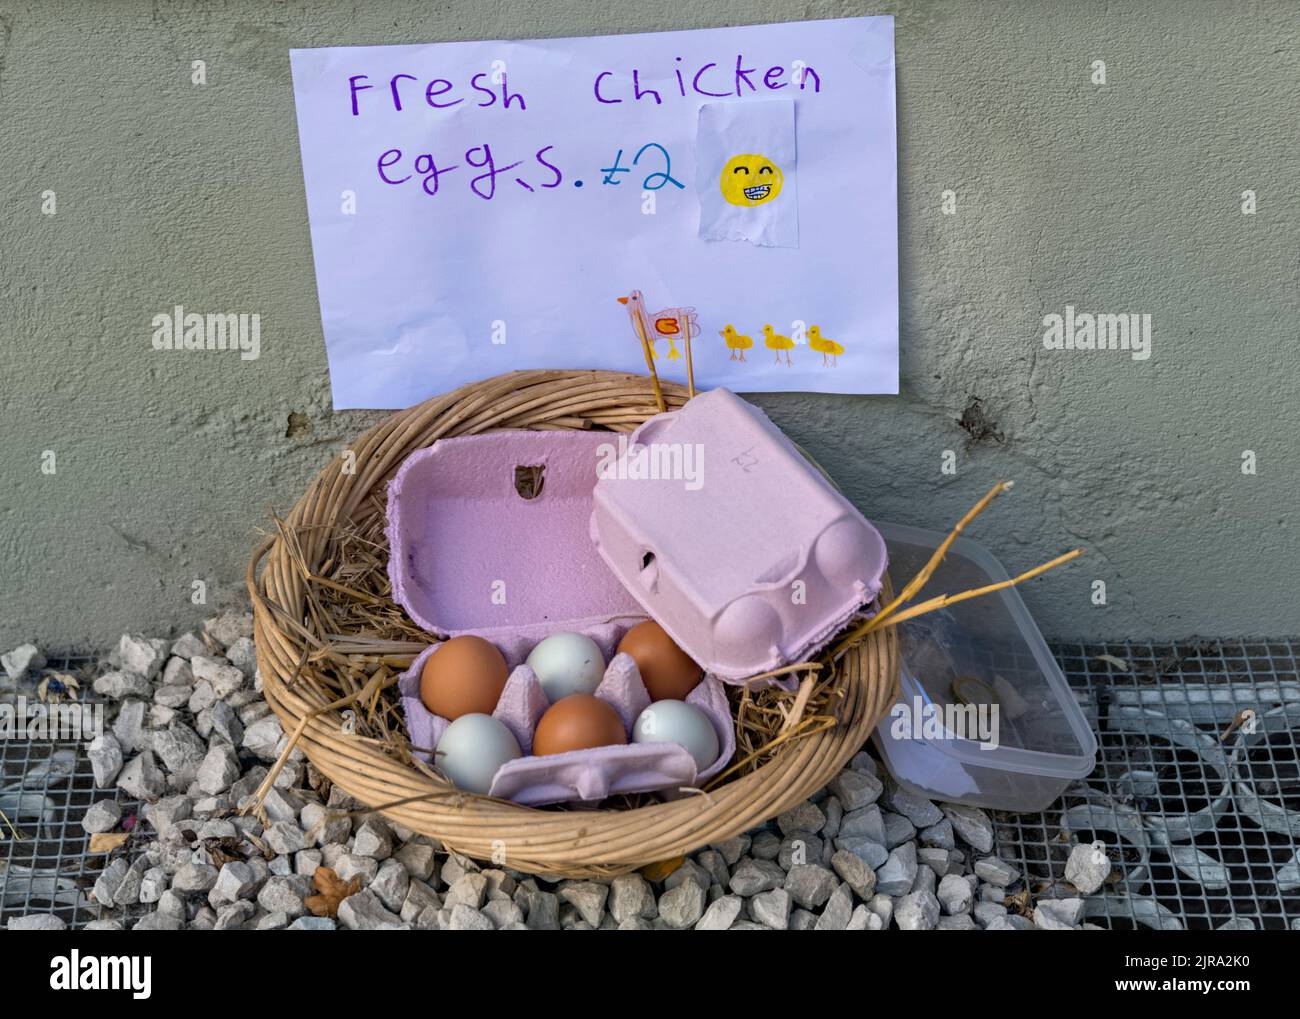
(1197, 803)
(1204, 830)
(47, 868)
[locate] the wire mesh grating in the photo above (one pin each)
(1196, 793)
(45, 862)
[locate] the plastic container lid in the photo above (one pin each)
(986, 649)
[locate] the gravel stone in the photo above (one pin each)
(854, 872)
(866, 822)
(220, 721)
(917, 809)
(128, 892)
(417, 857)
(972, 825)
(898, 829)
(262, 737)
(463, 918)
(173, 696)
(242, 654)
(682, 906)
(753, 876)
(391, 885)
(181, 750)
(158, 921)
(202, 697)
(954, 894)
(996, 871)
(938, 836)
(986, 912)
(117, 685)
(470, 889)
(236, 880)
(766, 845)
(142, 779)
(630, 898)
(838, 911)
(143, 657)
(543, 911)
(721, 914)
(1087, 868)
(810, 885)
(588, 898)
(374, 839)
(899, 871)
(806, 816)
(177, 672)
(855, 789)
(129, 726)
(1066, 912)
(217, 769)
(102, 816)
(349, 866)
(36, 922)
(419, 897)
(105, 753)
(312, 923)
(917, 911)
(167, 812)
(365, 911)
(285, 838)
(285, 894)
(233, 916)
(938, 860)
(732, 849)
(872, 853)
(771, 908)
(194, 878)
(110, 878)
(24, 660)
(229, 627)
(153, 884)
(503, 913)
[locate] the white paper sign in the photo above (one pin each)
(482, 207)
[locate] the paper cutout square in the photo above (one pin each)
(746, 173)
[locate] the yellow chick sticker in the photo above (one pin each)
(750, 179)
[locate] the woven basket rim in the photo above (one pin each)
(547, 842)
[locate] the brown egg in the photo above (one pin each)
(577, 722)
(668, 672)
(463, 677)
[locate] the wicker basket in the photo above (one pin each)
(552, 843)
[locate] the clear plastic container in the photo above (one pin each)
(1030, 739)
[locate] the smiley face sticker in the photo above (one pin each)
(750, 179)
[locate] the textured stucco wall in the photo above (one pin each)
(1117, 198)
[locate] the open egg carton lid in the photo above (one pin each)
(731, 539)
(488, 536)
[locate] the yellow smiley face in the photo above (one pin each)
(750, 180)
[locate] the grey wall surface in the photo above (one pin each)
(1117, 198)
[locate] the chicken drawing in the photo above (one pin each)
(773, 340)
(671, 324)
(736, 343)
(828, 348)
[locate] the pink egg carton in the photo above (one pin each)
(580, 775)
(731, 539)
(470, 555)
